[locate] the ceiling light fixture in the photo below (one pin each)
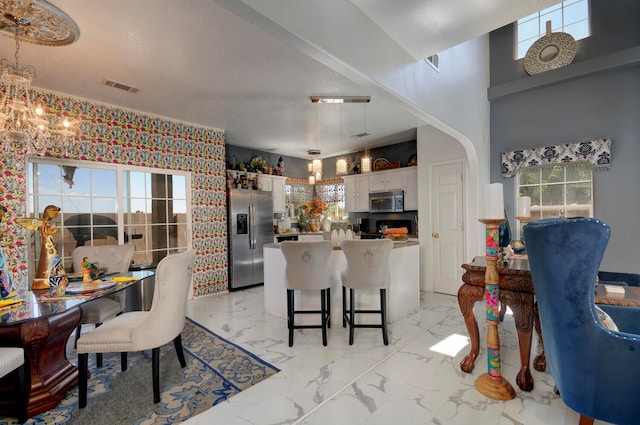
(340, 99)
(341, 162)
(24, 127)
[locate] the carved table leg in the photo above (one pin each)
(468, 295)
(540, 361)
(521, 304)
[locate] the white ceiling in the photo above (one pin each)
(242, 66)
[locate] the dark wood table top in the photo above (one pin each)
(34, 307)
(520, 266)
(630, 298)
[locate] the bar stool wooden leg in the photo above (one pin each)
(352, 311)
(383, 315)
(328, 298)
(344, 307)
(323, 315)
(290, 315)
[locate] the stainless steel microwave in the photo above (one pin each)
(386, 202)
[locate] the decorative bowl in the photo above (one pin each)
(518, 246)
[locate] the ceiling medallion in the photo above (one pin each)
(41, 22)
(553, 50)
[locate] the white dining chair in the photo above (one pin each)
(367, 268)
(12, 358)
(145, 330)
(111, 259)
(307, 269)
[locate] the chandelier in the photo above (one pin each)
(25, 127)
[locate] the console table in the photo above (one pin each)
(42, 328)
(517, 292)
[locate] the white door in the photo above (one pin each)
(448, 227)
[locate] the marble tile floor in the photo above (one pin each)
(416, 379)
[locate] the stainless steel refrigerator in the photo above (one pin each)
(250, 227)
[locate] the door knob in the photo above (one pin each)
(436, 235)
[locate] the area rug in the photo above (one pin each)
(216, 370)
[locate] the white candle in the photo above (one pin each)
(493, 201)
(524, 206)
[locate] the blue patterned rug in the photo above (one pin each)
(216, 370)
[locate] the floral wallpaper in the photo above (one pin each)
(119, 136)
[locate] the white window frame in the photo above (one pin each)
(119, 169)
(542, 211)
(541, 17)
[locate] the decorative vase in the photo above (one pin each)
(326, 224)
(302, 222)
(6, 280)
(314, 223)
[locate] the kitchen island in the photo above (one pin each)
(403, 295)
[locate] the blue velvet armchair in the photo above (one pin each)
(596, 370)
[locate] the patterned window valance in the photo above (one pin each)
(596, 153)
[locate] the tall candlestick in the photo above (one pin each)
(524, 206)
(493, 201)
(493, 384)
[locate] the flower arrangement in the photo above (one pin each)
(315, 206)
(257, 164)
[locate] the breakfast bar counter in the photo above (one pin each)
(403, 295)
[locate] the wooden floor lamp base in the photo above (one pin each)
(496, 388)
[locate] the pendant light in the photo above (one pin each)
(365, 161)
(341, 162)
(315, 166)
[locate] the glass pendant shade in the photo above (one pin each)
(366, 164)
(341, 166)
(317, 166)
(312, 179)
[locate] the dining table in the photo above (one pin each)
(41, 323)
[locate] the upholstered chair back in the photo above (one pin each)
(112, 258)
(596, 370)
(367, 263)
(307, 264)
(168, 308)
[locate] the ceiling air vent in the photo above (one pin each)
(434, 61)
(120, 86)
(363, 134)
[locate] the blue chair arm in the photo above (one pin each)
(627, 318)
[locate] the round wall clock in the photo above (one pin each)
(554, 50)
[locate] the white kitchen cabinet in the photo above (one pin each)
(356, 193)
(405, 179)
(384, 181)
(275, 185)
(410, 187)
